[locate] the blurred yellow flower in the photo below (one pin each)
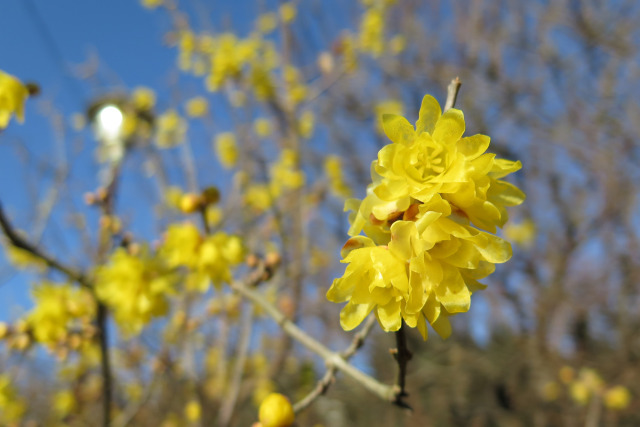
(197, 107)
(192, 411)
(64, 403)
(152, 4)
(226, 149)
(12, 407)
(523, 233)
(171, 129)
(617, 398)
(580, 393)
(333, 168)
(57, 307)
(143, 98)
(13, 94)
(267, 22)
(262, 127)
(135, 288)
(287, 12)
(276, 411)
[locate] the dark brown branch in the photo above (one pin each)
(20, 242)
(402, 355)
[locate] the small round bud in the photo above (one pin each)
(252, 260)
(190, 203)
(272, 259)
(89, 198)
(210, 195)
(276, 411)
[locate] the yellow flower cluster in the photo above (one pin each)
(171, 129)
(226, 57)
(135, 288)
(433, 193)
(226, 148)
(58, 308)
(12, 407)
(12, 97)
(208, 259)
(284, 175)
(333, 169)
(588, 384)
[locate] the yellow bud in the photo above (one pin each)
(4, 330)
(617, 398)
(276, 411)
(190, 203)
(566, 374)
(193, 411)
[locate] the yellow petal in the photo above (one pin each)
(428, 116)
(353, 314)
(442, 326)
(473, 146)
(450, 127)
(397, 128)
(389, 316)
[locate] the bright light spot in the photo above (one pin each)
(109, 121)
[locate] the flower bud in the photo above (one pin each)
(276, 411)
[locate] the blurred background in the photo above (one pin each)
(277, 105)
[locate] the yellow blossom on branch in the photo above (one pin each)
(135, 288)
(12, 97)
(433, 193)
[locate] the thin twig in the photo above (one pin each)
(331, 358)
(226, 411)
(325, 382)
(105, 364)
(452, 93)
(18, 241)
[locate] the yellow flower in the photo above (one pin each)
(267, 22)
(262, 127)
(135, 288)
(617, 398)
(428, 271)
(285, 173)
(306, 124)
(171, 129)
(276, 411)
(143, 98)
(209, 259)
(333, 169)
(434, 158)
(227, 149)
(12, 407)
(152, 4)
(287, 12)
(193, 411)
(372, 31)
(397, 44)
(259, 197)
(580, 393)
(57, 308)
(64, 403)
(424, 253)
(197, 107)
(522, 233)
(12, 97)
